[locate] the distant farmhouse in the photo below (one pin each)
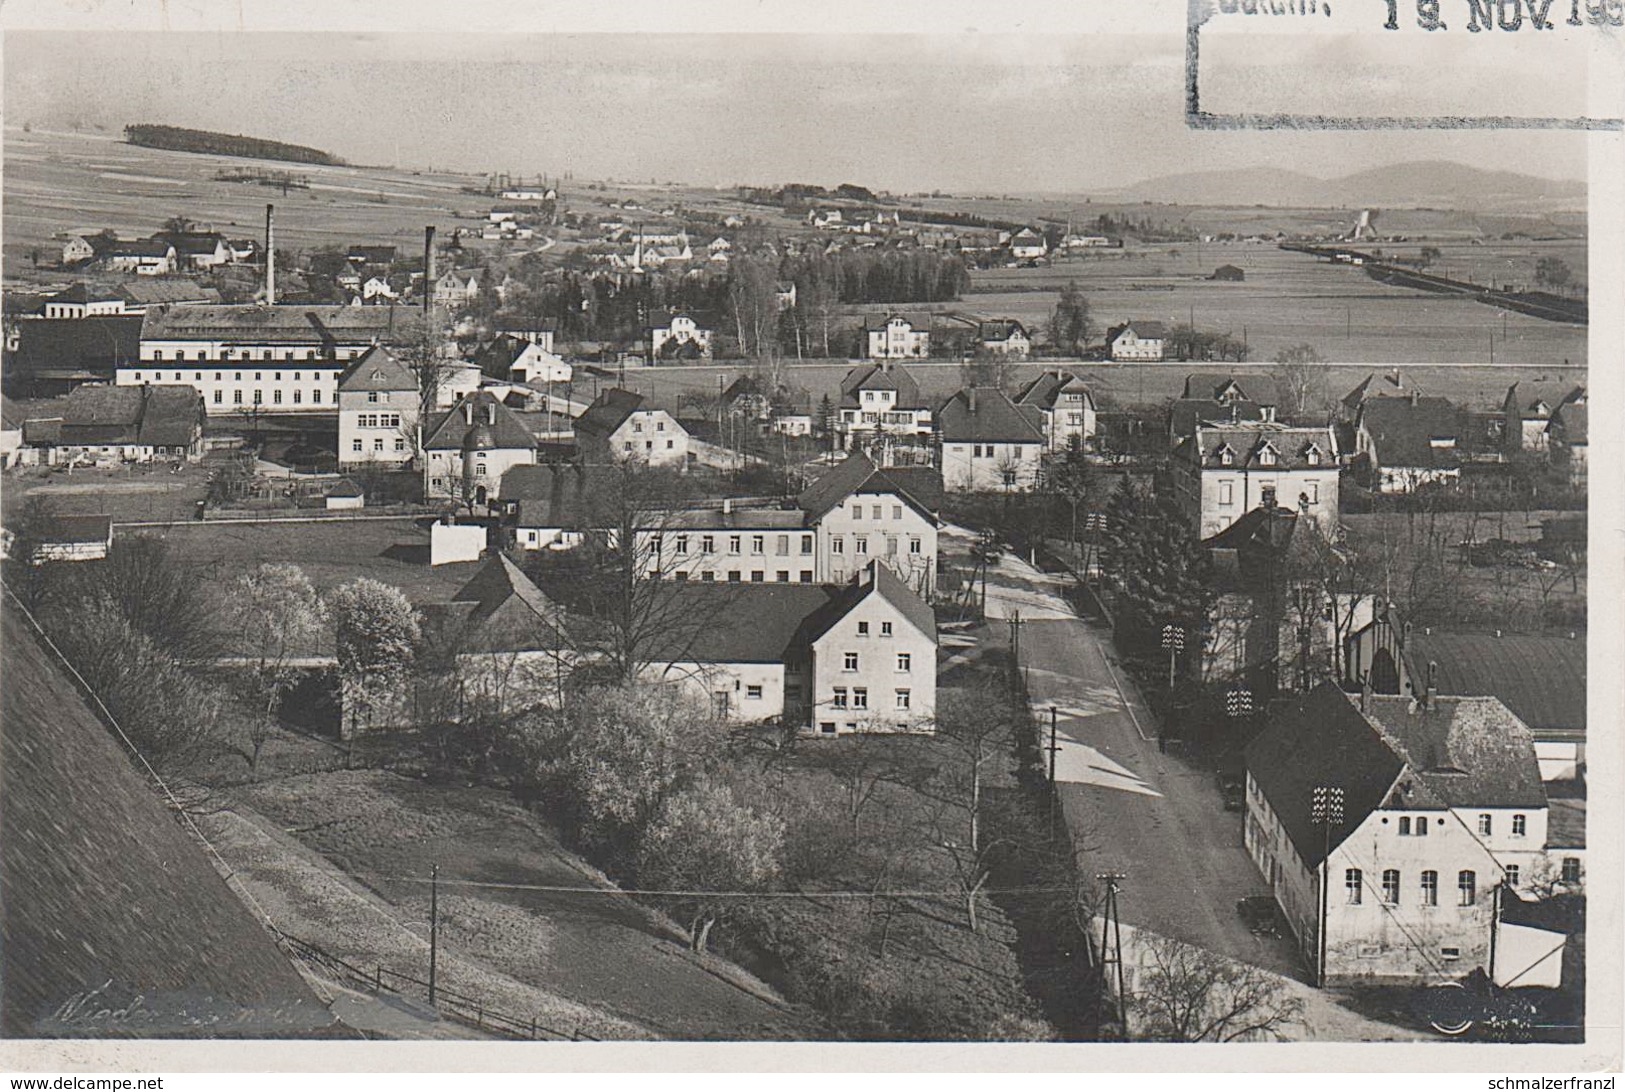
(1136, 341)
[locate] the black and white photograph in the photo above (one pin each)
(561, 539)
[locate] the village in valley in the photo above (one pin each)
(581, 609)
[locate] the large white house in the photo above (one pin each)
(285, 358)
(897, 337)
(987, 442)
(881, 403)
(1222, 471)
(1440, 823)
(678, 335)
(1136, 341)
(619, 426)
(378, 411)
(1067, 405)
(468, 449)
(827, 659)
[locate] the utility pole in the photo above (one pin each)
(434, 926)
(1054, 789)
(1111, 944)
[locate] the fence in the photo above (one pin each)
(459, 1007)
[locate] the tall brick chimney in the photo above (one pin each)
(270, 254)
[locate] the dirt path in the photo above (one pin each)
(345, 856)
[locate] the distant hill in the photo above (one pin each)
(176, 139)
(1400, 185)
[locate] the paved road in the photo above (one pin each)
(1156, 818)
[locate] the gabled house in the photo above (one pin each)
(1528, 408)
(1220, 472)
(897, 337)
(621, 426)
(81, 301)
(66, 537)
(881, 402)
(678, 336)
(860, 512)
(1004, 337)
(1442, 821)
(1566, 436)
(828, 659)
(1219, 398)
(1389, 384)
(79, 249)
(143, 257)
(1403, 443)
(1067, 405)
(378, 411)
(513, 359)
(110, 425)
(196, 249)
(555, 506)
(1136, 341)
(987, 442)
(456, 287)
(468, 449)
(1028, 245)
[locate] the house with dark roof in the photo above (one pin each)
(620, 425)
(1541, 677)
(67, 537)
(81, 300)
(371, 254)
(678, 335)
(1390, 384)
(1231, 273)
(1136, 341)
(12, 417)
(1220, 398)
(468, 448)
(1004, 337)
(897, 336)
(143, 257)
(987, 442)
(514, 359)
(138, 295)
(554, 506)
(1392, 830)
(107, 425)
(52, 356)
(828, 659)
(1067, 405)
(1221, 471)
(1404, 443)
(1528, 408)
(378, 410)
(1566, 439)
(196, 249)
(881, 405)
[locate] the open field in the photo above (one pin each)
(1481, 387)
(128, 494)
(394, 551)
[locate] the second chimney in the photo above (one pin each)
(428, 268)
(1433, 684)
(270, 254)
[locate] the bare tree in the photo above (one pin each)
(1185, 994)
(974, 734)
(277, 613)
(1300, 378)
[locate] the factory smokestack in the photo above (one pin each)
(428, 272)
(270, 254)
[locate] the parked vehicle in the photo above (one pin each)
(1262, 915)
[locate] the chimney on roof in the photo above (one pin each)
(1433, 683)
(491, 413)
(970, 398)
(1415, 396)
(468, 412)
(270, 254)
(727, 506)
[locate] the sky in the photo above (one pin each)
(965, 113)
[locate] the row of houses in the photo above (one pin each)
(160, 254)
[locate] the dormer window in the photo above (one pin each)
(1227, 456)
(1266, 456)
(1311, 455)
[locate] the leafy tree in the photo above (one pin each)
(1299, 373)
(375, 634)
(1430, 256)
(706, 839)
(1069, 324)
(1185, 994)
(1552, 272)
(1159, 567)
(278, 614)
(28, 530)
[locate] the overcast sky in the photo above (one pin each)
(965, 113)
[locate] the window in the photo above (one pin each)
(733, 544)
(1313, 493)
(733, 576)
(1520, 826)
(1404, 824)
(850, 662)
(806, 576)
(839, 699)
(860, 544)
(258, 397)
(863, 629)
(783, 576)
(479, 470)
(1422, 825)
(754, 693)
(860, 697)
(708, 576)
(670, 445)
(783, 545)
(276, 396)
(914, 546)
(806, 544)
(902, 699)
(1226, 494)
(905, 661)
(891, 545)
(708, 544)
(857, 511)
(719, 703)
(298, 397)
(1467, 887)
(316, 396)
(1450, 953)
(897, 511)
(1485, 824)
(1390, 886)
(355, 445)
(1353, 885)
(400, 444)
(627, 446)
(680, 575)
(378, 445)
(682, 544)
(885, 629)
(826, 727)
(757, 576)
(757, 544)
(1571, 870)
(837, 545)
(237, 398)
(219, 396)
(1430, 888)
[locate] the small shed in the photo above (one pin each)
(1228, 273)
(345, 494)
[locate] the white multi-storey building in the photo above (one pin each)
(378, 411)
(1222, 471)
(881, 403)
(285, 358)
(897, 337)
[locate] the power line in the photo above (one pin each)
(565, 889)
